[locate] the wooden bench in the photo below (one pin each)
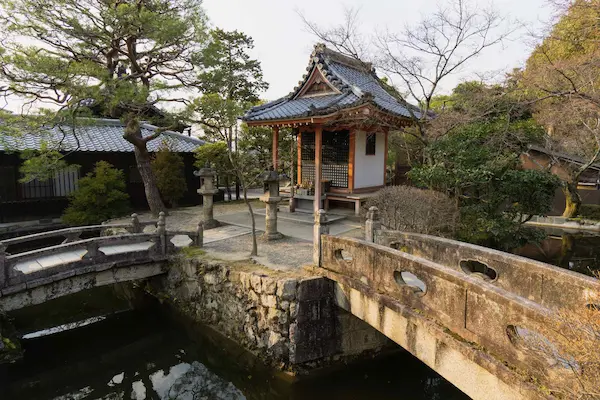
(356, 199)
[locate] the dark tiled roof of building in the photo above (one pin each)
(101, 135)
(355, 80)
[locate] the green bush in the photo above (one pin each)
(590, 211)
(101, 195)
(169, 170)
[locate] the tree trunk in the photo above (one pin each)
(155, 203)
(573, 200)
(133, 134)
(254, 251)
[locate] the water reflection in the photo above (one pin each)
(140, 355)
(575, 251)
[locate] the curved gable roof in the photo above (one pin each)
(356, 84)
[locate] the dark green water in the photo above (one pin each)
(145, 354)
(576, 251)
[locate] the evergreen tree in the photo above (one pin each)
(119, 58)
(169, 169)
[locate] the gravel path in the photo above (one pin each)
(284, 254)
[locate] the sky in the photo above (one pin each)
(283, 44)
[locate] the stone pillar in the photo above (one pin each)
(372, 224)
(135, 224)
(321, 227)
(208, 190)
(271, 198)
(161, 231)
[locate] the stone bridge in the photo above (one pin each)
(43, 273)
(466, 311)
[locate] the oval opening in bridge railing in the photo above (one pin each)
(405, 278)
(537, 345)
(401, 247)
(341, 254)
(478, 269)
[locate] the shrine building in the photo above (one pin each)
(341, 113)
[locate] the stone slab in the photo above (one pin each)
(293, 229)
(125, 248)
(224, 232)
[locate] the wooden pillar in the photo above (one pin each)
(299, 144)
(275, 147)
(318, 156)
(351, 158)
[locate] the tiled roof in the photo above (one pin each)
(101, 135)
(356, 81)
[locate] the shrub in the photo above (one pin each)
(169, 171)
(406, 208)
(590, 211)
(100, 196)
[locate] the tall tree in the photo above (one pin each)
(122, 58)
(563, 76)
(230, 72)
(231, 81)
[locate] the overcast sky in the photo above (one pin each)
(283, 44)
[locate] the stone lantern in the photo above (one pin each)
(208, 190)
(271, 198)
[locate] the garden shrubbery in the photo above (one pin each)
(590, 211)
(406, 208)
(169, 170)
(101, 196)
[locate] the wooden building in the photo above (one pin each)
(101, 139)
(341, 113)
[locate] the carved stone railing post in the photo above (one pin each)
(136, 227)
(321, 227)
(372, 224)
(3, 265)
(161, 231)
(199, 239)
(92, 250)
(208, 190)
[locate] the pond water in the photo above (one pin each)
(576, 251)
(147, 354)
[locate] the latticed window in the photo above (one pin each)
(335, 157)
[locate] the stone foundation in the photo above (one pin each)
(287, 320)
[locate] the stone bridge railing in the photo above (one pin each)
(94, 254)
(482, 296)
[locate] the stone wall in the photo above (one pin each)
(288, 320)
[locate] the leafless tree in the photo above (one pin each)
(420, 57)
